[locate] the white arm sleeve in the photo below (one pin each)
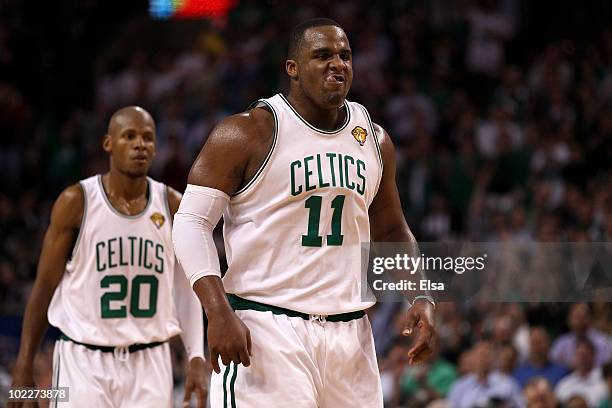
(192, 232)
(190, 315)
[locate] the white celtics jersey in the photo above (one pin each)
(293, 234)
(117, 287)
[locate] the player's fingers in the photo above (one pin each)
(188, 391)
(244, 357)
(201, 396)
(190, 387)
(237, 355)
(421, 355)
(249, 344)
(409, 323)
(423, 345)
(226, 358)
(214, 361)
(419, 346)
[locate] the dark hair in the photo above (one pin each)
(607, 369)
(585, 341)
(297, 34)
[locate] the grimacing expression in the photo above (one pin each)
(131, 143)
(324, 66)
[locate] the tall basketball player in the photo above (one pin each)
(301, 182)
(107, 279)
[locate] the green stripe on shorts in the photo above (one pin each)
(225, 385)
(232, 382)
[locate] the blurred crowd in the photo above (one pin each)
(501, 115)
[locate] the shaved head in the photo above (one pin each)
(125, 117)
(130, 141)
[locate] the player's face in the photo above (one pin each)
(132, 145)
(325, 66)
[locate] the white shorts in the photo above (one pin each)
(300, 363)
(102, 379)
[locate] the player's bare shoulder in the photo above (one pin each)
(261, 135)
(234, 150)
(387, 149)
(68, 208)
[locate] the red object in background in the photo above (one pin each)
(203, 8)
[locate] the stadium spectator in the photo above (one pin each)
(539, 394)
(579, 321)
(538, 363)
(586, 380)
(485, 386)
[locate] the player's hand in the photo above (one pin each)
(196, 382)
(420, 316)
(22, 377)
(230, 339)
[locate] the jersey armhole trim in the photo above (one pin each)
(267, 159)
(167, 204)
(376, 142)
(82, 226)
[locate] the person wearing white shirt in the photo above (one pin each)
(586, 380)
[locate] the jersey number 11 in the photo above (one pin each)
(313, 239)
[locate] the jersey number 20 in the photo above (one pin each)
(135, 309)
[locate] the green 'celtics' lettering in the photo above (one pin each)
(308, 173)
(99, 246)
(349, 183)
(117, 252)
(332, 156)
(298, 164)
(159, 252)
(360, 168)
(322, 184)
(111, 252)
(122, 262)
(339, 170)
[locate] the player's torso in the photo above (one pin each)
(117, 287)
(293, 234)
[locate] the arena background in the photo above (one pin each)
(501, 112)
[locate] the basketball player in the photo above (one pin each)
(301, 182)
(106, 278)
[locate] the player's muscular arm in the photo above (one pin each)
(234, 151)
(386, 215)
(58, 243)
(389, 225)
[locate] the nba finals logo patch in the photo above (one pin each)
(158, 220)
(359, 134)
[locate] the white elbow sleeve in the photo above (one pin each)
(192, 232)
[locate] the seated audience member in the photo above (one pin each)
(539, 394)
(484, 386)
(537, 363)
(579, 321)
(507, 359)
(586, 380)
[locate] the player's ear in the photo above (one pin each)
(292, 69)
(107, 143)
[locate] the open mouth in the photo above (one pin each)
(140, 158)
(335, 78)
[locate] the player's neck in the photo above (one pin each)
(118, 184)
(326, 119)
